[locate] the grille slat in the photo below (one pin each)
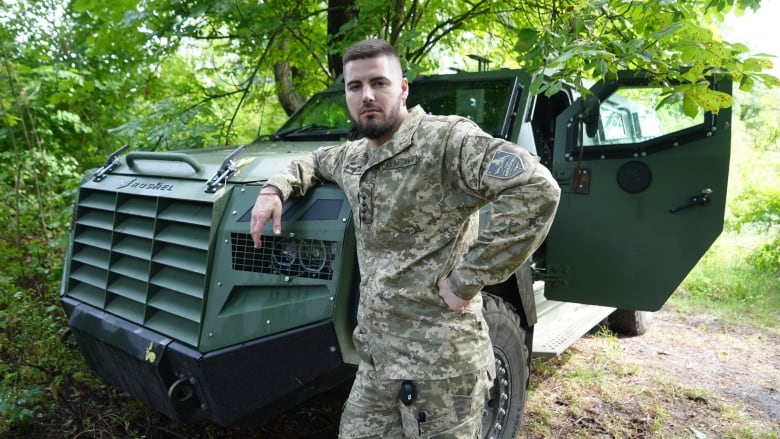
(175, 303)
(136, 226)
(174, 326)
(87, 294)
(133, 246)
(185, 234)
(89, 275)
(97, 218)
(129, 309)
(95, 257)
(131, 267)
(129, 288)
(187, 212)
(183, 258)
(93, 237)
(138, 206)
(183, 282)
(98, 200)
(142, 258)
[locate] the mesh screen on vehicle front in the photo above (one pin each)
(309, 258)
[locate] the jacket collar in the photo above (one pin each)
(401, 140)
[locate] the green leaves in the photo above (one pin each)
(668, 31)
(527, 39)
(70, 121)
(671, 42)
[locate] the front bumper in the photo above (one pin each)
(238, 386)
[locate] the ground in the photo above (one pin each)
(690, 376)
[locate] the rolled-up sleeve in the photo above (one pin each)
(304, 173)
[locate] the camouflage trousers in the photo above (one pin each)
(441, 409)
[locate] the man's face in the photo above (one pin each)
(376, 96)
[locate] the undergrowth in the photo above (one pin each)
(726, 284)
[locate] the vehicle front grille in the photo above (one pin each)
(308, 258)
(142, 258)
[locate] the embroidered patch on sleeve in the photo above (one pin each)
(505, 165)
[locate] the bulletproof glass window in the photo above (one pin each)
(484, 101)
(633, 115)
(323, 112)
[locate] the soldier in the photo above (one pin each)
(416, 183)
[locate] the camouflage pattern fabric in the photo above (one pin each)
(415, 200)
(442, 409)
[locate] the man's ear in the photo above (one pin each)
(404, 88)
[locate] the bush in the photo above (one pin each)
(36, 363)
(767, 258)
(759, 209)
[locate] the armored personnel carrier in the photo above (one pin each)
(169, 300)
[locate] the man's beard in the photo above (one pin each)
(375, 129)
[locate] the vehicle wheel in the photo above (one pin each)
(630, 322)
(503, 411)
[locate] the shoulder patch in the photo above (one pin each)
(505, 165)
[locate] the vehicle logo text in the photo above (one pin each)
(135, 184)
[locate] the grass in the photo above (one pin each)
(601, 391)
(724, 285)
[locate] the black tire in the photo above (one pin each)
(503, 412)
(629, 322)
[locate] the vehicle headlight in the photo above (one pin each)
(312, 254)
(285, 253)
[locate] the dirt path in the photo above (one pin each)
(689, 376)
(739, 363)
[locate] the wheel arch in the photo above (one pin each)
(518, 291)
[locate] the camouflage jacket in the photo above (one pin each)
(415, 201)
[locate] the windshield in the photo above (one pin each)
(484, 101)
(325, 115)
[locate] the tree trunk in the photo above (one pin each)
(340, 12)
(285, 89)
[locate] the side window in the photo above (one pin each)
(633, 115)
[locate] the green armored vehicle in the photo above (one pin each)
(169, 300)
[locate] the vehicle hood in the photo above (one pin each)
(256, 163)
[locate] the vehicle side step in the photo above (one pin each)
(560, 324)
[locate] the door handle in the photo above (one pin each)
(702, 199)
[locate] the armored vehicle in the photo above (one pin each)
(169, 300)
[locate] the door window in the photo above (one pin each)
(634, 115)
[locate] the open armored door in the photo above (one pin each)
(643, 198)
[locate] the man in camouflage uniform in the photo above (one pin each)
(415, 183)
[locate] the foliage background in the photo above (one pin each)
(80, 78)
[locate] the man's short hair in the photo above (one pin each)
(370, 48)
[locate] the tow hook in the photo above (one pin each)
(65, 334)
(68, 339)
(181, 390)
